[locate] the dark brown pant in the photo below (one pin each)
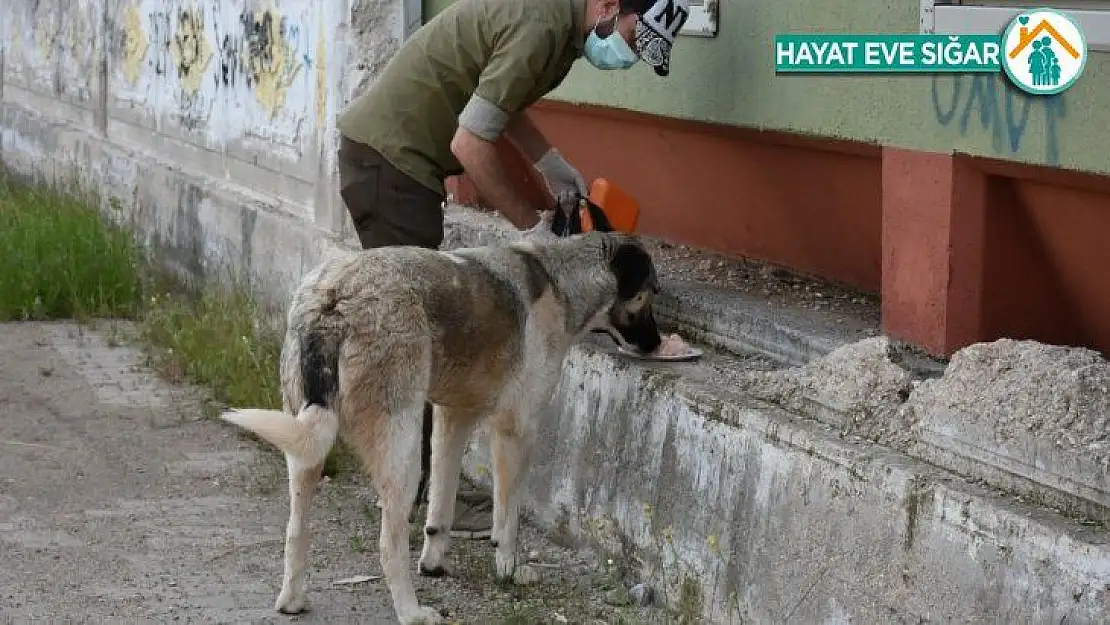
(390, 208)
(387, 206)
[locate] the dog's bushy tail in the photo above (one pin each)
(309, 435)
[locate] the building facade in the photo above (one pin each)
(976, 211)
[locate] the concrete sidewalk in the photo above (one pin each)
(121, 502)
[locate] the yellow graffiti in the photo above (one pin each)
(45, 34)
(135, 44)
(17, 41)
(77, 35)
(190, 49)
(271, 64)
(321, 75)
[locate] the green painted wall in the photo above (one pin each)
(431, 7)
(731, 80)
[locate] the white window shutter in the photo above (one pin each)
(703, 19)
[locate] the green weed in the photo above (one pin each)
(60, 260)
(212, 339)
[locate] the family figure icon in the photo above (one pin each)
(1045, 51)
(1044, 67)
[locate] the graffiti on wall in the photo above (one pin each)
(228, 72)
(321, 75)
(988, 103)
(224, 70)
(52, 51)
(269, 55)
(160, 29)
(133, 43)
(242, 76)
(190, 49)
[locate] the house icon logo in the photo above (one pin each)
(1045, 51)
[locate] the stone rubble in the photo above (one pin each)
(859, 382)
(1059, 393)
(1049, 392)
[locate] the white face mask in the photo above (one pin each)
(612, 52)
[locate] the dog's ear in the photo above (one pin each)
(598, 216)
(634, 269)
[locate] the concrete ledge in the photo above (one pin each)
(1021, 416)
(1031, 418)
(1034, 468)
(779, 519)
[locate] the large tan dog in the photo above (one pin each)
(480, 333)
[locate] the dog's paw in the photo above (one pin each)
(505, 563)
(291, 603)
(422, 616)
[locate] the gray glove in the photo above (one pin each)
(564, 181)
(542, 230)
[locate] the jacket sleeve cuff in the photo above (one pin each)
(483, 118)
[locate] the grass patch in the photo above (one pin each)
(61, 260)
(212, 338)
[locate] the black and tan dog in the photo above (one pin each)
(479, 332)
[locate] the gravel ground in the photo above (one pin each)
(858, 388)
(780, 287)
(120, 501)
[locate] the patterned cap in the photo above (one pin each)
(656, 29)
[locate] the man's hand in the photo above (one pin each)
(565, 182)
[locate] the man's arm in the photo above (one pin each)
(526, 137)
(483, 166)
(503, 92)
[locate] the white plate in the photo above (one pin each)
(692, 353)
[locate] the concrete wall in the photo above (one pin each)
(730, 80)
(780, 520)
(203, 122)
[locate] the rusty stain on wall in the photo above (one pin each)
(270, 64)
(321, 74)
(134, 44)
(190, 49)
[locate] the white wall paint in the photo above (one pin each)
(225, 72)
(244, 92)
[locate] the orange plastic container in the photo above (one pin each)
(621, 208)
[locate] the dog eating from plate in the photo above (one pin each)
(481, 333)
